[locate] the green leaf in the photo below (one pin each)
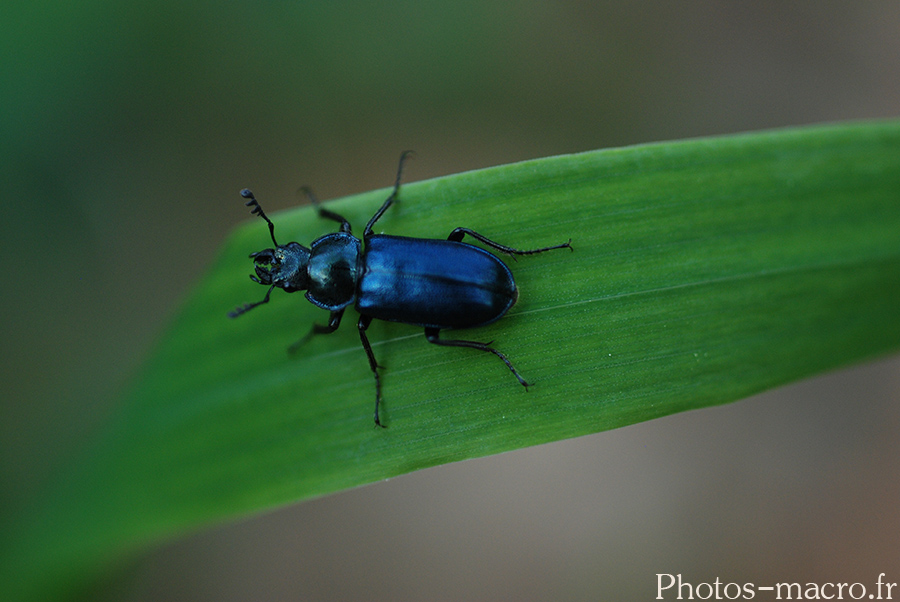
(703, 271)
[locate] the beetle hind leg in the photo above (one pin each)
(459, 233)
(432, 335)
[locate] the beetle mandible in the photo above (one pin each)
(436, 284)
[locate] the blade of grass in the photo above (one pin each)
(703, 271)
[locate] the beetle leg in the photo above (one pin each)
(458, 234)
(248, 306)
(390, 199)
(432, 335)
(325, 213)
(363, 324)
(333, 322)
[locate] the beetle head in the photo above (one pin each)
(284, 266)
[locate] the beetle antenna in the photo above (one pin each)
(257, 210)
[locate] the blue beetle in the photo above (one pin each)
(436, 284)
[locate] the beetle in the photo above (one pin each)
(436, 284)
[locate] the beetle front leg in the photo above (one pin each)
(333, 322)
(325, 213)
(432, 335)
(363, 324)
(459, 233)
(248, 306)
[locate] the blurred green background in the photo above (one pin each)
(127, 129)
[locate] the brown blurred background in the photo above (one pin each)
(126, 130)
